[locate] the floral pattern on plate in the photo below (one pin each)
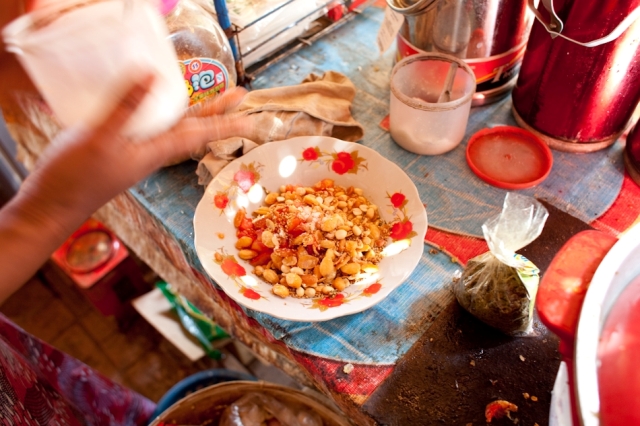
(324, 303)
(340, 162)
(245, 182)
(243, 179)
(235, 271)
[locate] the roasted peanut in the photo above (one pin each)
(309, 280)
(239, 217)
(261, 211)
(271, 276)
(375, 231)
(296, 270)
(271, 198)
(267, 239)
(329, 224)
(247, 254)
(293, 280)
(322, 237)
(244, 242)
(280, 290)
(310, 200)
(276, 260)
(306, 261)
(340, 283)
(327, 244)
(326, 266)
(351, 269)
(290, 261)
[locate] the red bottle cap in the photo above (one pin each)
(509, 157)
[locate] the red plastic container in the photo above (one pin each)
(580, 98)
(618, 374)
(632, 154)
(97, 262)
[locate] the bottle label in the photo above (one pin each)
(204, 77)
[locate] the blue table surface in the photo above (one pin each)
(457, 201)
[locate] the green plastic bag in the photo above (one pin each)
(196, 323)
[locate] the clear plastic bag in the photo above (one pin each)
(204, 52)
(499, 287)
(257, 409)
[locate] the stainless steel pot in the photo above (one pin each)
(490, 35)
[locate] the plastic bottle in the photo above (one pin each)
(206, 59)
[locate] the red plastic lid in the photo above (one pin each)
(509, 157)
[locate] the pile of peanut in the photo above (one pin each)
(321, 239)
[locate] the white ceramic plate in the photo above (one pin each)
(306, 161)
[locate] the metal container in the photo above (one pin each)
(579, 82)
(207, 405)
(490, 35)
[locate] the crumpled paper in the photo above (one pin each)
(319, 106)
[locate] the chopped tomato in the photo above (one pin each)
(246, 233)
(293, 223)
(260, 223)
(262, 258)
(259, 246)
(325, 183)
(246, 224)
(294, 227)
(498, 409)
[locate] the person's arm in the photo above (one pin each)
(83, 169)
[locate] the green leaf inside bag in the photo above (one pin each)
(196, 323)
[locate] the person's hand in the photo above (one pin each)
(84, 168)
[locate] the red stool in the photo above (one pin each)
(97, 262)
